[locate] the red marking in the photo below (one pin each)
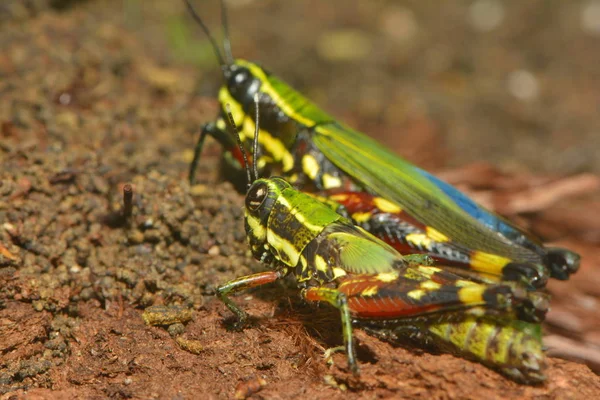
(313, 295)
(361, 202)
(237, 154)
(301, 147)
(260, 279)
(384, 306)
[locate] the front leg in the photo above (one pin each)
(219, 134)
(339, 301)
(243, 283)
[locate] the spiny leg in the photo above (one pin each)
(339, 301)
(244, 283)
(425, 290)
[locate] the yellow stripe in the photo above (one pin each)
(486, 262)
(339, 197)
(301, 218)
(463, 283)
(386, 205)
(499, 352)
(331, 182)
(303, 261)
(236, 108)
(471, 294)
(436, 235)
(258, 230)
(338, 272)
(429, 271)
(387, 276)
(416, 294)
(310, 166)
(284, 248)
(430, 285)
(361, 216)
(272, 145)
(370, 291)
(479, 338)
(268, 89)
(419, 239)
(320, 264)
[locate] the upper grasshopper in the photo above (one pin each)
(315, 152)
(407, 207)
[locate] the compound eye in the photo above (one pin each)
(241, 76)
(256, 196)
(239, 81)
(243, 85)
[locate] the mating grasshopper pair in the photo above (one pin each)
(409, 207)
(480, 298)
(374, 286)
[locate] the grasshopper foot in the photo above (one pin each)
(328, 356)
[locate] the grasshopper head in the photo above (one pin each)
(241, 81)
(261, 198)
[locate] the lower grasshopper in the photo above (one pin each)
(371, 284)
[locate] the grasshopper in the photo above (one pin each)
(410, 209)
(372, 284)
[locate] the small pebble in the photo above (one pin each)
(166, 315)
(214, 251)
(190, 345)
(135, 237)
(176, 329)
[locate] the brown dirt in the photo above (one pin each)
(86, 108)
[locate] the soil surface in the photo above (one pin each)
(101, 298)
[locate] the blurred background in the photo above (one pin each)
(442, 83)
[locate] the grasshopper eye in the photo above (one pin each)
(242, 85)
(256, 196)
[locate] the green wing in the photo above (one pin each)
(357, 251)
(393, 178)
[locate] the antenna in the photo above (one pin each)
(256, 130)
(236, 133)
(212, 40)
(226, 40)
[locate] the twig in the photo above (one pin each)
(127, 200)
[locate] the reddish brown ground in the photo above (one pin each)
(86, 108)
